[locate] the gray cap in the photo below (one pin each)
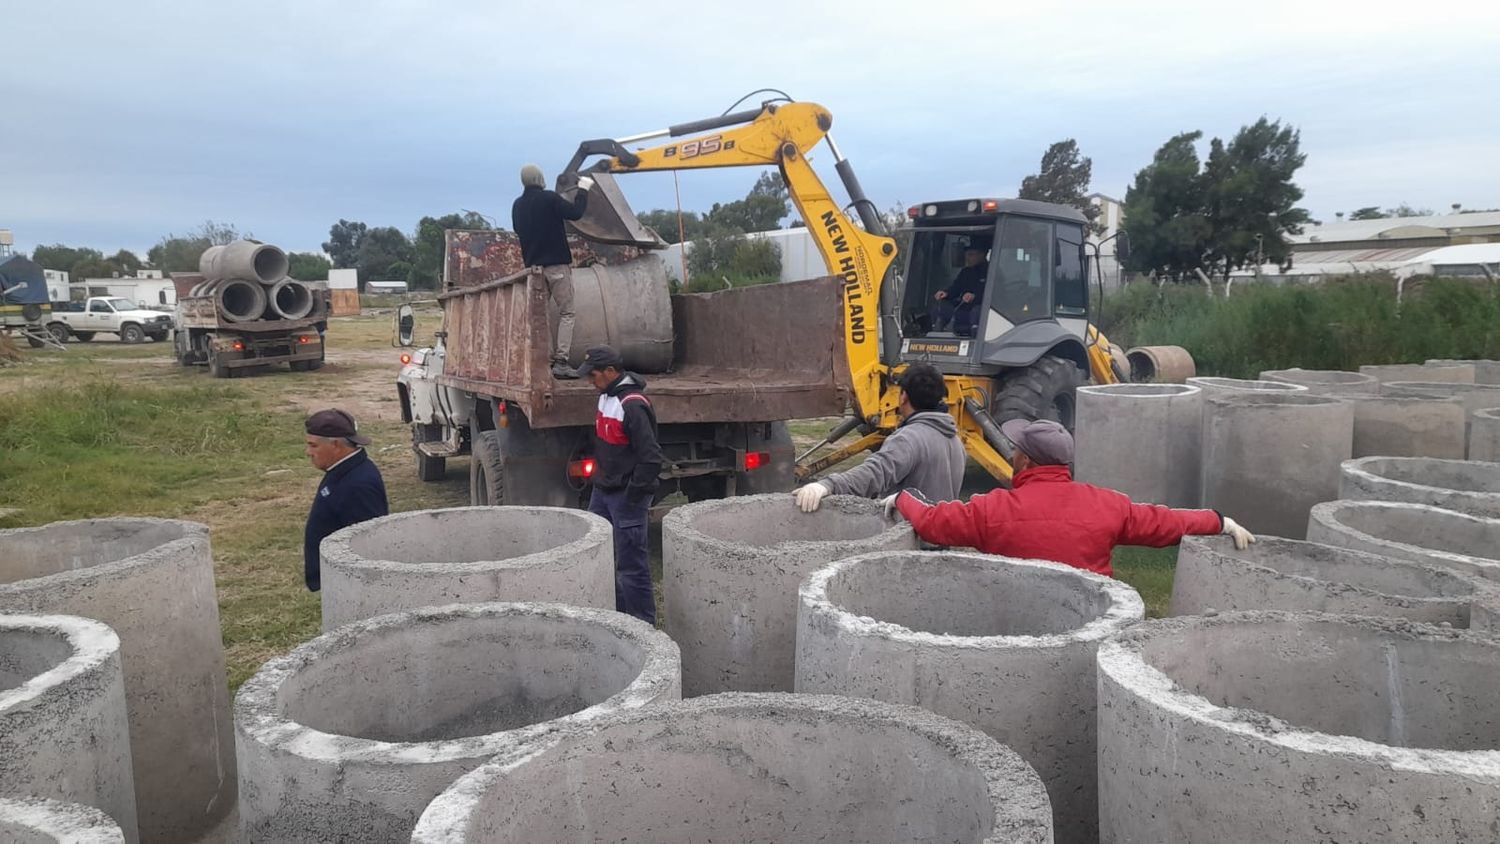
(1044, 441)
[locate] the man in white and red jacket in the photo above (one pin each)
(627, 463)
(1046, 515)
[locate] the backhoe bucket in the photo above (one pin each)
(608, 218)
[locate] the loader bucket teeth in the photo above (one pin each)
(608, 218)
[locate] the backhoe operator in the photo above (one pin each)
(959, 302)
(1046, 515)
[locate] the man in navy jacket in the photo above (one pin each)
(352, 490)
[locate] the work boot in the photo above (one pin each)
(562, 372)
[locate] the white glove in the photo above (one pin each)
(810, 496)
(889, 503)
(1242, 538)
(585, 183)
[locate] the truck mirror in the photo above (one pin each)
(406, 324)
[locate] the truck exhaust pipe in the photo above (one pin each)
(244, 259)
(290, 299)
(239, 300)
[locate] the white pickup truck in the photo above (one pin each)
(107, 315)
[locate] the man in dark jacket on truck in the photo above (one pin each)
(351, 491)
(1046, 515)
(627, 461)
(538, 216)
(923, 454)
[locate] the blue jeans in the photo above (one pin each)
(632, 562)
(963, 316)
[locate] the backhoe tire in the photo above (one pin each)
(1044, 390)
(486, 471)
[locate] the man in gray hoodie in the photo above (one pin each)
(924, 453)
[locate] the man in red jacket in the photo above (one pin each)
(1046, 515)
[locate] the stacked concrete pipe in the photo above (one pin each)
(1485, 371)
(1454, 372)
(1004, 645)
(33, 820)
(1212, 386)
(1471, 487)
(63, 728)
(1326, 382)
(357, 730)
(249, 280)
(152, 582)
(1144, 440)
(1267, 459)
(244, 259)
(1160, 364)
(1475, 397)
(1298, 727)
(751, 768)
(1285, 574)
(1430, 535)
(1408, 427)
(1484, 435)
(467, 555)
(731, 569)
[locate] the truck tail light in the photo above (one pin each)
(582, 469)
(405, 359)
(239, 345)
(756, 459)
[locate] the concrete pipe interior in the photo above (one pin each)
(965, 595)
(1247, 385)
(291, 299)
(468, 534)
(753, 769)
(770, 520)
(32, 820)
(270, 263)
(241, 301)
(1425, 527)
(1350, 676)
(69, 546)
(1461, 475)
(1141, 391)
(27, 654)
(461, 674)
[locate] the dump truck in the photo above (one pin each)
(241, 311)
(724, 372)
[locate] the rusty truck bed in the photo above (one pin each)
(752, 354)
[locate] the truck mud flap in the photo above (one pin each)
(608, 218)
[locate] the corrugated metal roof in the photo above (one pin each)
(1436, 225)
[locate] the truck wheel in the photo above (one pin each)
(33, 342)
(216, 366)
(486, 471)
(431, 469)
(84, 336)
(131, 333)
(1044, 390)
(59, 331)
(157, 336)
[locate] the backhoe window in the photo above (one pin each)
(1023, 264)
(954, 264)
(1071, 297)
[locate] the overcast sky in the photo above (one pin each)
(127, 120)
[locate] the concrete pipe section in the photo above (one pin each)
(1326, 382)
(1431, 535)
(1485, 371)
(1298, 727)
(246, 259)
(1221, 386)
(751, 768)
(152, 582)
(360, 728)
(731, 568)
(1160, 364)
(1471, 487)
(32, 820)
(1285, 574)
(239, 300)
(1475, 397)
(1455, 372)
(1267, 459)
(1004, 645)
(1408, 427)
(1144, 440)
(467, 555)
(63, 732)
(1484, 435)
(290, 299)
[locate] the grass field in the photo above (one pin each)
(105, 429)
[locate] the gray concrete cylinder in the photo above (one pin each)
(1408, 427)
(1160, 364)
(1431, 535)
(467, 555)
(63, 728)
(290, 299)
(1485, 371)
(1285, 574)
(750, 768)
(1212, 386)
(1004, 645)
(246, 259)
(238, 300)
(353, 733)
(625, 306)
(32, 820)
(1298, 727)
(1475, 397)
(730, 572)
(1144, 440)
(1326, 382)
(1267, 459)
(1457, 373)
(152, 582)
(1484, 435)
(1471, 487)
